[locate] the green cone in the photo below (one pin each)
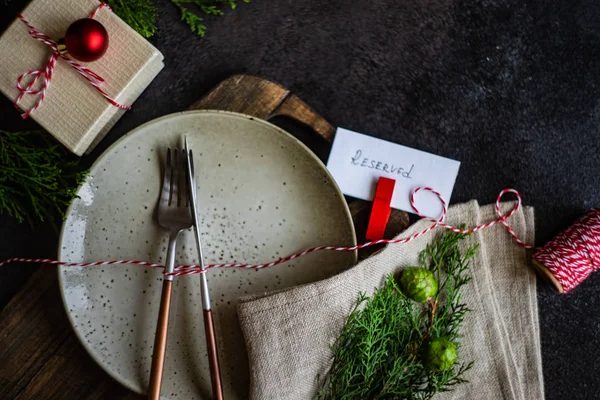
(438, 354)
(418, 284)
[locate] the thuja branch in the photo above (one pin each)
(432, 306)
(139, 14)
(38, 177)
(402, 343)
(192, 11)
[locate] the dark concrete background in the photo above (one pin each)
(510, 88)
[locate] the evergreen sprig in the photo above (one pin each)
(139, 14)
(206, 7)
(377, 355)
(38, 177)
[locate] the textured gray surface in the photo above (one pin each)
(510, 88)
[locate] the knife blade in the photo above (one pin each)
(209, 327)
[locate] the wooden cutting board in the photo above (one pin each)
(40, 356)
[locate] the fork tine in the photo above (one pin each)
(167, 179)
(179, 178)
(184, 179)
(191, 156)
(173, 199)
(175, 178)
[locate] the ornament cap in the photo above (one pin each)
(61, 46)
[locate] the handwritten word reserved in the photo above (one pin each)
(365, 162)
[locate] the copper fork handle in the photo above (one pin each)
(160, 342)
(213, 357)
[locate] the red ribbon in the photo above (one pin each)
(47, 72)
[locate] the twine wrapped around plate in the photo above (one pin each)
(565, 262)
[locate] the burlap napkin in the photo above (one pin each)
(288, 333)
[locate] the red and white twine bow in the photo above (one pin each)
(196, 269)
(48, 71)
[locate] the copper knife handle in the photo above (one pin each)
(160, 342)
(213, 357)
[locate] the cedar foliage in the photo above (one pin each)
(141, 14)
(377, 356)
(38, 176)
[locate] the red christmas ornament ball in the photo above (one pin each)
(86, 40)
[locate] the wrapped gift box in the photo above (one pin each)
(73, 110)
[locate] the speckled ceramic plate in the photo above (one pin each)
(262, 195)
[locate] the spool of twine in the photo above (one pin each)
(568, 259)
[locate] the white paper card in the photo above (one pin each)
(357, 161)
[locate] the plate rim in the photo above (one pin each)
(136, 131)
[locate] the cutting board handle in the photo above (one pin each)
(261, 98)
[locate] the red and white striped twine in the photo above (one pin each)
(48, 71)
(195, 269)
(571, 257)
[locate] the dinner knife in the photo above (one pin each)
(209, 327)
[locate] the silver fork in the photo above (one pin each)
(174, 215)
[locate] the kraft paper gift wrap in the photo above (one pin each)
(74, 111)
(288, 333)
